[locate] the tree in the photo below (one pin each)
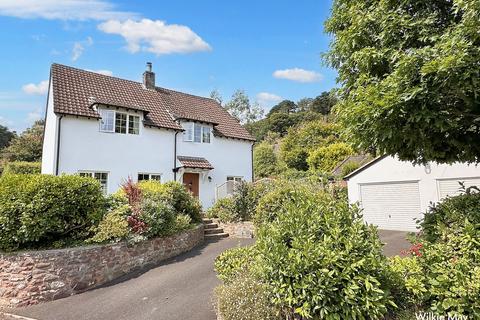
(304, 104)
(27, 146)
(264, 160)
(299, 142)
(5, 136)
(285, 106)
(323, 103)
(239, 107)
(410, 76)
(324, 159)
(215, 95)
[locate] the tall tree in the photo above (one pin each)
(239, 107)
(215, 95)
(323, 103)
(5, 136)
(410, 74)
(27, 146)
(285, 106)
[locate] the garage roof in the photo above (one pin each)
(365, 166)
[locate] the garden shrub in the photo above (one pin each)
(325, 158)
(176, 195)
(182, 222)
(114, 225)
(320, 261)
(451, 214)
(233, 262)
(22, 167)
(264, 160)
(37, 210)
(223, 209)
(245, 299)
(452, 271)
(349, 167)
(408, 280)
(159, 217)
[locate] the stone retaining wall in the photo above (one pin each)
(28, 278)
(243, 229)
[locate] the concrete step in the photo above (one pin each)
(213, 231)
(205, 220)
(216, 236)
(210, 226)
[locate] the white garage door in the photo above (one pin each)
(391, 206)
(451, 187)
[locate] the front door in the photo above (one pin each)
(190, 180)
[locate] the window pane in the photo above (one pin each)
(107, 120)
(206, 135)
(188, 133)
(229, 178)
(197, 133)
(85, 174)
(133, 124)
(142, 176)
(156, 177)
(120, 123)
(102, 177)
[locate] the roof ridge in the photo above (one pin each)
(189, 94)
(95, 73)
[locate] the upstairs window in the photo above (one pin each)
(149, 176)
(118, 122)
(195, 132)
(107, 121)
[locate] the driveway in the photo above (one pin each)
(180, 288)
(395, 242)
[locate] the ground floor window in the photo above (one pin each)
(149, 176)
(236, 179)
(102, 177)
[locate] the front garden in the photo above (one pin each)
(314, 258)
(42, 212)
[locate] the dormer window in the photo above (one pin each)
(119, 122)
(195, 132)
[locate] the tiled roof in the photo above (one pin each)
(75, 91)
(194, 162)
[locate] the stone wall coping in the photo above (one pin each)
(29, 253)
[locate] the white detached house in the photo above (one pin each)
(112, 129)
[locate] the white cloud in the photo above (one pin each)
(155, 36)
(5, 122)
(266, 98)
(297, 74)
(62, 10)
(104, 72)
(40, 88)
(79, 47)
(33, 116)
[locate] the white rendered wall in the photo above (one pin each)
(390, 169)
(84, 148)
(50, 137)
(229, 157)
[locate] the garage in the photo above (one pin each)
(393, 194)
(391, 205)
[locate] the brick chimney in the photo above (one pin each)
(149, 77)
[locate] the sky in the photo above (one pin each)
(271, 48)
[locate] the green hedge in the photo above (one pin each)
(44, 210)
(22, 167)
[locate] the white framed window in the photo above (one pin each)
(133, 124)
(149, 176)
(206, 134)
(195, 132)
(102, 177)
(233, 178)
(119, 122)
(107, 121)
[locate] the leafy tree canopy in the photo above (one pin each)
(239, 106)
(285, 106)
(410, 74)
(27, 146)
(5, 136)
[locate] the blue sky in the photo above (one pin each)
(271, 49)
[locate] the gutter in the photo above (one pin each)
(58, 144)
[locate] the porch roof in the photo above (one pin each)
(195, 162)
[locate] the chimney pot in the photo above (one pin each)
(149, 77)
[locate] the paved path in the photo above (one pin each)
(178, 289)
